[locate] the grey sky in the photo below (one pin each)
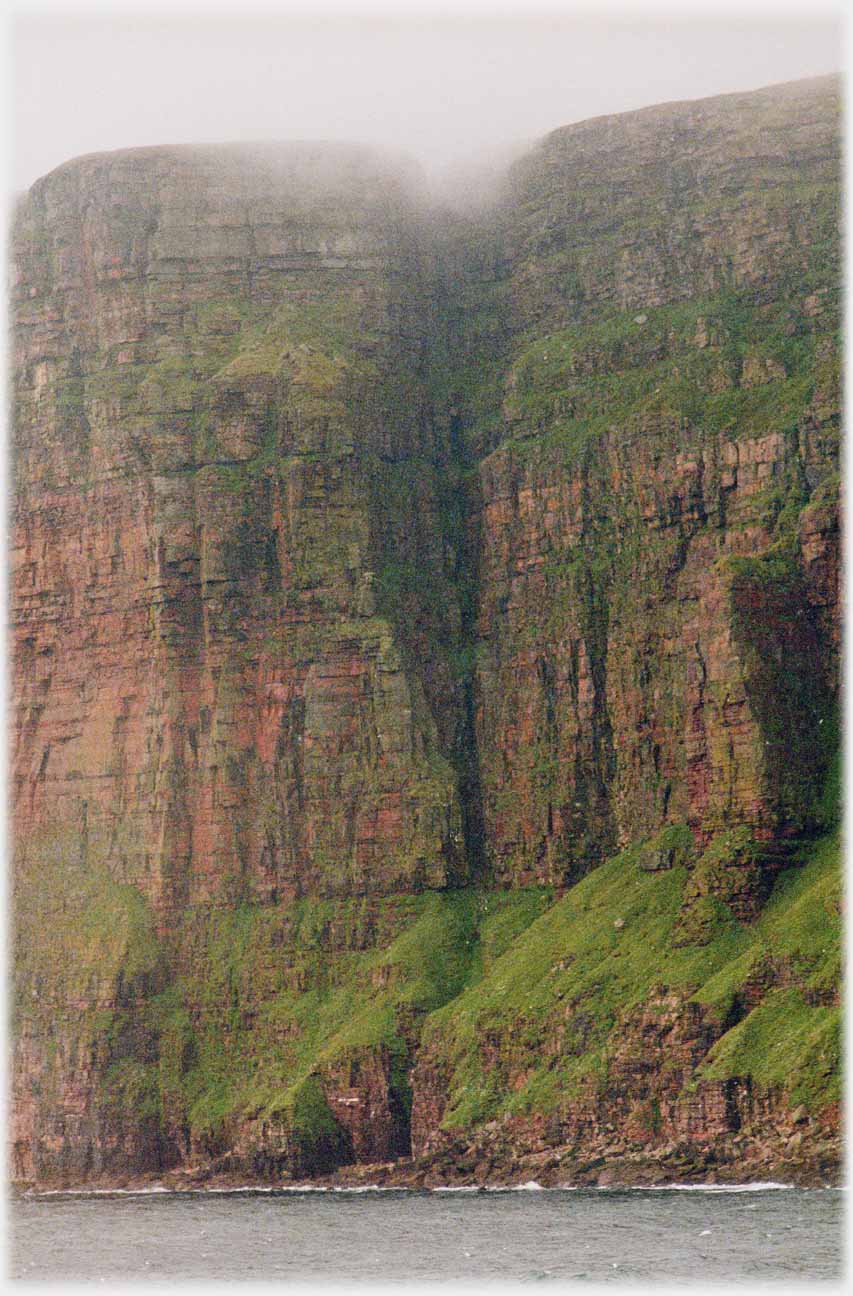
(439, 89)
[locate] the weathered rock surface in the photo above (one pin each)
(376, 576)
(667, 409)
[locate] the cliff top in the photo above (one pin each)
(329, 163)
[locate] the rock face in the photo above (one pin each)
(667, 409)
(211, 691)
(378, 575)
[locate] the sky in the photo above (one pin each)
(444, 89)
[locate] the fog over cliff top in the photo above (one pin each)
(461, 96)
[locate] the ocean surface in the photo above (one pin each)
(752, 1234)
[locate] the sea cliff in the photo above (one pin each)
(426, 660)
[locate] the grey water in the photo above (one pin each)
(751, 1234)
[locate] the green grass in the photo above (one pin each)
(312, 1006)
(603, 951)
(267, 1000)
(569, 386)
(787, 1043)
(522, 1000)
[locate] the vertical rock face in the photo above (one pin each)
(377, 574)
(214, 350)
(668, 406)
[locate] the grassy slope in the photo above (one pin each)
(264, 1006)
(576, 959)
(265, 1003)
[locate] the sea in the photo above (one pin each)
(751, 1234)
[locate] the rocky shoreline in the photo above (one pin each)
(727, 1164)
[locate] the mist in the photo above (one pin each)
(459, 96)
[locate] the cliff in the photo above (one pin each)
(426, 649)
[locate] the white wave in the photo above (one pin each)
(95, 1192)
(706, 1187)
(176, 1191)
(770, 1186)
(530, 1186)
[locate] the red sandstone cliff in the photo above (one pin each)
(365, 565)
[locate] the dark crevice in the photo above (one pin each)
(466, 547)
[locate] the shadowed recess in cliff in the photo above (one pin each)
(426, 513)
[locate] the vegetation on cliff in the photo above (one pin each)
(548, 1025)
(427, 652)
(527, 1006)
